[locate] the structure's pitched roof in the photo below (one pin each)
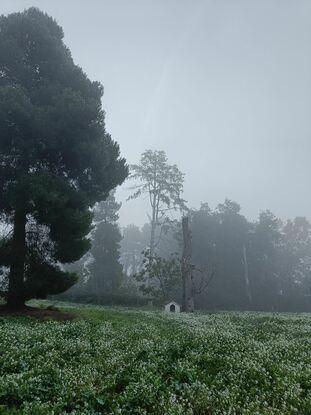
(172, 302)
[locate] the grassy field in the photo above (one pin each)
(111, 361)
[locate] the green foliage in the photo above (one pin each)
(105, 270)
(278, 256)
(107, 211)
(56, 158)
(43, 279)
(159, 179)
(159, 276)
(162, 183)
(135, 362)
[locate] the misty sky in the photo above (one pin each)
(223, 86)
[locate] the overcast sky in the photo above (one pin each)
(223, 86)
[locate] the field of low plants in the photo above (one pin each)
(111, 361)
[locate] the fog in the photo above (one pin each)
(223, 87)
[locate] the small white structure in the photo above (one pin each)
(172, 307)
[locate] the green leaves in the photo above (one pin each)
(43, 279)
(105, 269)
(159, 276)
(56, 158)
(135, 362)
(164, 182)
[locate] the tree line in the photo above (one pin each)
(59, 216)
(236, 263)
(262, 265)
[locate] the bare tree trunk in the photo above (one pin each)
(186, 269)
(246, 276)
(16, 293)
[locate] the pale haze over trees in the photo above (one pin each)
(219, 113)
(224, 88)
(168, 174)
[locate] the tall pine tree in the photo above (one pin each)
(56, 158)
(105, 269)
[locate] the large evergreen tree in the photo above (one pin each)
(105, 268)
(56, 158)
(264, 259)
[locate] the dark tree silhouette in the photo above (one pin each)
(56, 158)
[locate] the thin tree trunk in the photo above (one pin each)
(186, 269)
(152, 237)
(153, 225)
(246, 276)
(16, 295)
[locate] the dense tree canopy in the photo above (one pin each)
(56, 158)
(262, 265)
(277, 255)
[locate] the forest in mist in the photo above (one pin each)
(176, 299)
(238, 264)
(64, 230)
